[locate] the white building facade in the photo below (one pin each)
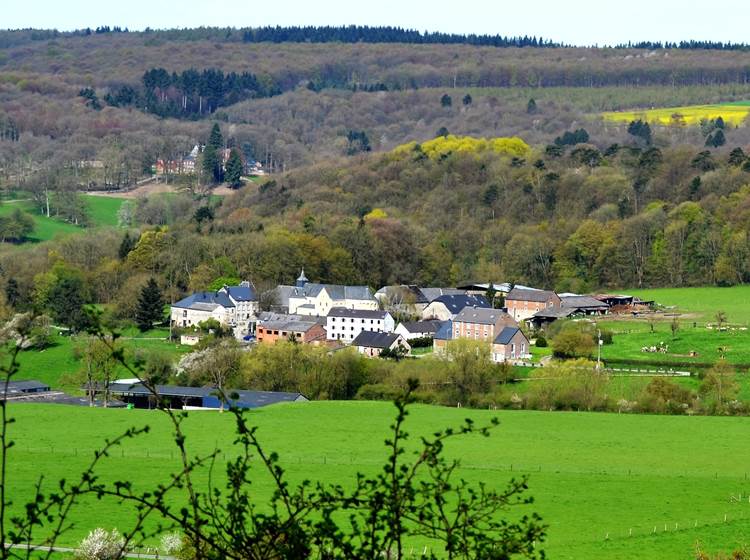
(346, 324)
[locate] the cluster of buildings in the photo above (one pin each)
(187, 165)
(337, 315)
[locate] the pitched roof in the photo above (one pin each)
(554, 312)
(204, 301)
(244, 292)
(422, 327)
(246, 399)
(445, 332)
(583, 302)
(372, 339)
(294, 325)
(335, 291)
(481, 315)
(529, 294)
(455, 303)
(357, 313)
(507, 334)
(268, 316)
(431, 294)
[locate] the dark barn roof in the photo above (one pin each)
(245, 399)
(455, 303)
(357, 313)
(372, 339)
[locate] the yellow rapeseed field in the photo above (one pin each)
(682, 116)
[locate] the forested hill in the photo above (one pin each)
(567, 217)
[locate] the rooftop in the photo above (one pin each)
(481, 315)
(357, 313)
(530, 294)
(371, 339)
(506, 335)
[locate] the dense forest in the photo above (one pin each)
(379, 173)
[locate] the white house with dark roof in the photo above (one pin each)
(231, 306)
(418, 329)
(309, 298)
(373, 343)
(345, 324)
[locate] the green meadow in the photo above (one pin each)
(102, 212)
(609, 486)
(57, 365)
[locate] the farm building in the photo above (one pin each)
(197, 398)
(510, 345)
(373, 343)
(446, 307)
(522, 303)
(418, 329)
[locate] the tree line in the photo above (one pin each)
(191, 93)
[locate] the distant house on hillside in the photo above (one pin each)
(308, 298)
(442, 337)
(411, 299)
(522, 303)
(481, 323)
(345, 324)
(231, 306)
(373, 343)
(510, 345)
(418, 329)
(299, 328)
(447, 307)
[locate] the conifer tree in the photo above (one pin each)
(127, 245)
(150, 306)
(233, 173)
(215, 140)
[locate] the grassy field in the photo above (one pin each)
(102, 213)
(55, 365)
(704, 302)
(734, 113)
(603, 482)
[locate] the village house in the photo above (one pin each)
(231, 306)
(411, 299)
(481, 323)
(442, 337)
(373, 344)
(345, 324)
(522, 303)
(308, 298)
(446, 307)
(417, 329)
(290, 328)
(510, 345)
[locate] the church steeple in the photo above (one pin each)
(302, 280)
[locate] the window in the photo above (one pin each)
(512, 350)
(184, 313)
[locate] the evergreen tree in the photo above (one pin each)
(215, 140)
(150, 308)
(446, 100)
(442, 132)
(233, 174)
(12, 293)
(467, 99)
(718, 140)
(531, 106)
(126, 245)
(66, 303)
(737, 157)
(212, 164)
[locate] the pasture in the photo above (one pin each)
(58, 365)
(733, 113)
(102, 212)
(609, 486)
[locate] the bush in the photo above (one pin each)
(101, 544)
(541, 342)
(421, 342)
(572, 343)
